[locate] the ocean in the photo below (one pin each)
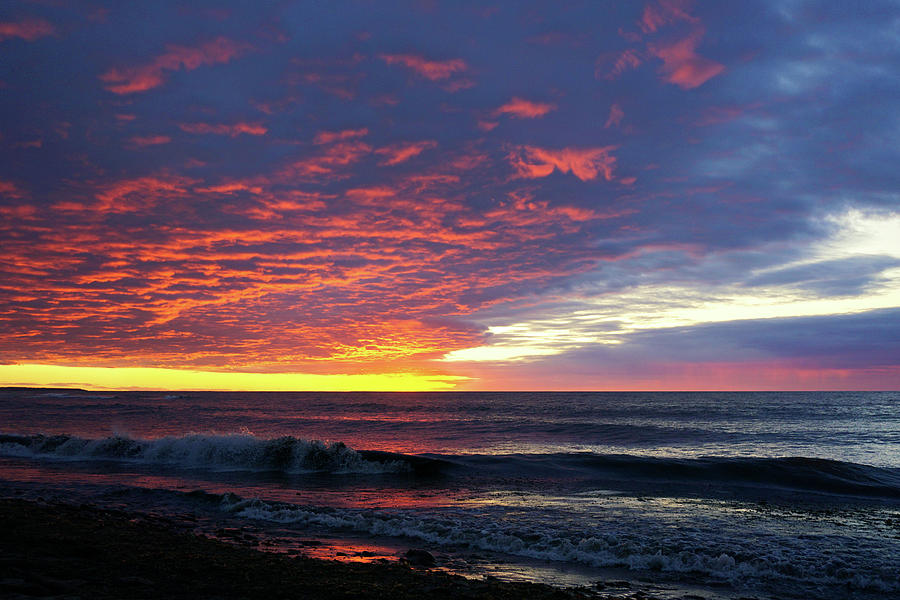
(672, 495)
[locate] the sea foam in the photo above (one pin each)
(739, 562)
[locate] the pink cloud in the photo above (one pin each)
(682, 65)
(130, 80)
(398, 153)
(616, 114)
(457, 85)
(625, 61)
(27, 29)
(715, 115)
(487, 125)
(8, 189)
(429, 69)
(232, 130)
(21, 211)
(525, 109)
(150, 140)
(329, 137)
(584, 163)
(664, 12)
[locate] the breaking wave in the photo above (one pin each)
(240, 452)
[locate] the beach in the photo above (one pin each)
(59, 550)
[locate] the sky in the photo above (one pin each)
(450, 195)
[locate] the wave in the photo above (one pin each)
(689, 555)
(759, 473)
(646, 474)
(242, 452)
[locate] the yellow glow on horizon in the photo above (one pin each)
(146, 378)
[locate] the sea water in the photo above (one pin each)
(767, 495)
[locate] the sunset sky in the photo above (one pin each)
(430, 195)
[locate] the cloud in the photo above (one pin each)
(664, 12)
(616, 114)
(326, 163)
(429, 69)
(232, 130)
(681, 63)
(26, 29)
(524, 109)
(149, 140)
(865, 339)
(624, 61)
(583, 163)
(398, 153)
(140, 194)
(329, 137)
(8, 189)
(839, 277)
(140, 78)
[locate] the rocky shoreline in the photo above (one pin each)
(66, 551)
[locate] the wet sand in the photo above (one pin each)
(66, 551)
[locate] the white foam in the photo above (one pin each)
(629, 551)
(206, 451)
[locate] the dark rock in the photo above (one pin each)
(420, 558)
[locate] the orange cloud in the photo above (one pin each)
(329, 137)
(150, 140)
(134, 195)
(27, 29)
(265, 293)
(682, 65)
(233, 130)
(429, 69)
(398, 153)
(130, 80)
(326, 164)
(230, 188)
(525, 109)
(584, 163)
(616, 114)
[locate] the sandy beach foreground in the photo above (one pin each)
(67, 551)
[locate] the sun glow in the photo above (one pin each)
(140, 378)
